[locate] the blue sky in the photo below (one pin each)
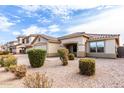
(58, 20)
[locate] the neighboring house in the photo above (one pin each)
(10, 46)
(48, 43)
(81, 44)
(24, 42)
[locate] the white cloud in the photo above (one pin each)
(108, 22)
(53, 28)
(33, 30)
(5, 24)
(61, 2)
(43, 20)
(62, 11)
(30, 8)
(16, 33)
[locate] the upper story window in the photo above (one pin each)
(97, 46)
(27, 40)
(23, 41)
(39, 39)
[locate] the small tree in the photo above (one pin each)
(63, 54)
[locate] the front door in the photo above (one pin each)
(72, 48)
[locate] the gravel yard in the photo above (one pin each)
(109, 73)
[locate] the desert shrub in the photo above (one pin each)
(87, 66)
(10, 60)
(4, 52)
(2, 57)
(71, 56)
(12, 68)
(63, 54)
(6, 69)
(36, 57)
(37, 80)
(1, 62)
(20, 71)
(7, 60)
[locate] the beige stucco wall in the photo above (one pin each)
(41, 40)
(18, 49)
(52, 49)
(110, 46)
(42, 44)
(80, 44)
(20, 40)
(31, 38)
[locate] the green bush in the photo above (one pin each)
(71, 56)
(36, 57)
(63, 54)
(87, 66)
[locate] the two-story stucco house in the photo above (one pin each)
(81, 44)
(10, 46)
(48, 43)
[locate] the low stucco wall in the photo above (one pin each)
(81, 54)
(101, 55)
(52, 54)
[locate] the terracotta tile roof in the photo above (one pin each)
(102, 36)
(77, 34)
(49, 38)
(90, 36)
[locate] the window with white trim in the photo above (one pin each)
(97, 47)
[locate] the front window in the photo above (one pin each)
(100, 46)
(97, 47)
(39, 39)
(92, 46)
(23, 41)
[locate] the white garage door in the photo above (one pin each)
(40, 47)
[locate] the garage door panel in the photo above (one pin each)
(40, 47)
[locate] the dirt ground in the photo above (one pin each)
(109, 74)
